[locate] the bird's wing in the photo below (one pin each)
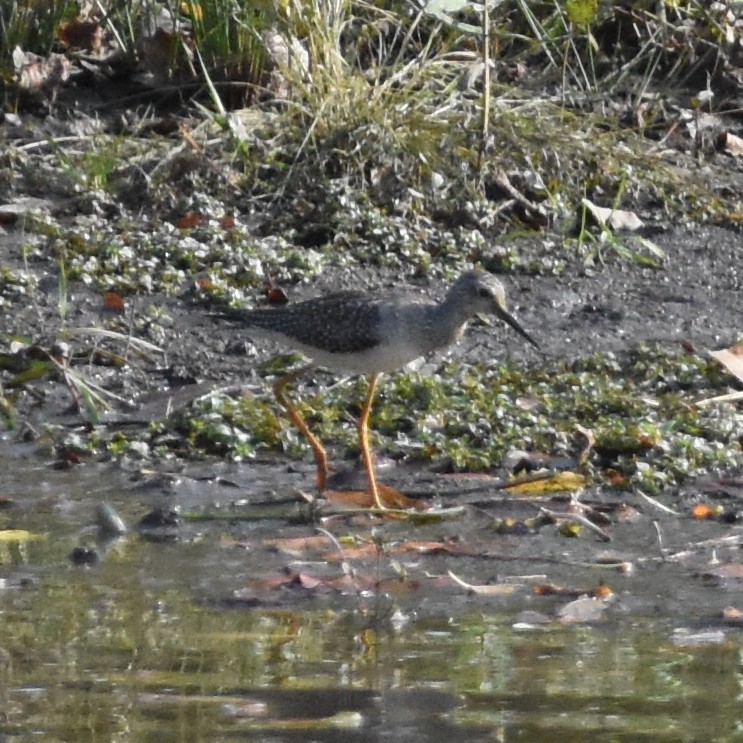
(344, 322)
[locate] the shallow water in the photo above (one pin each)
(157, 642)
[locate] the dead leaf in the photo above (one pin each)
(113, 302)
(190, 220)
(732, 359)
(617, 219)
(276, 296)
(389, 497)
(40, 75)
(559, 482)
(730, 143)
(304, 580)
(81, 34)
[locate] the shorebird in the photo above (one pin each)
(369, 334)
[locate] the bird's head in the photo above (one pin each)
(484, 294)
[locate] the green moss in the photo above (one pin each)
(641, 412)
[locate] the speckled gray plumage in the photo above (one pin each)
(343, 322)
(367, 334)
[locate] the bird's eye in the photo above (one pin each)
(484, 292)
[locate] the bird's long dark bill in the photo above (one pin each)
(516, 325)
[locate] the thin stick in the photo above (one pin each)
(657, 504)
(578, 519)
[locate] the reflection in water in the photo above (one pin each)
(147, 645)
(125, 651)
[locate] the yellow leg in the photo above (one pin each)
(321, 458)
(366, 455)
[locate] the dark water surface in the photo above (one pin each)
(153, 643)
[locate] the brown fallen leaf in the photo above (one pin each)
(113, 302)
(731, 358)
(81, 34)
(190, 220)
(390, 498)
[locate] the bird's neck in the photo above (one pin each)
(448, 321)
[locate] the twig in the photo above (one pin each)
(657, 504)
(578, 519)
(49, 142)
(729, 397)
(501, 179)
(733, 540)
